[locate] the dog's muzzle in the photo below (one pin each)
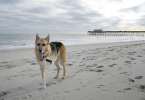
(42, 56)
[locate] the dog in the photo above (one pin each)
(47, 51)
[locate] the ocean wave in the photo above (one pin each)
(67, 40)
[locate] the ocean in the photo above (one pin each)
(14, 41)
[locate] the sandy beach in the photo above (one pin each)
(114, 71)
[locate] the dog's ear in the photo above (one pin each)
(37, 37)
(47, 38)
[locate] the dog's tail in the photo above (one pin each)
(63, 54)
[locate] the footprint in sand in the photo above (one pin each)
(70, 64)
(2, 94)
(131, 80)
(127, 89)
(94, 70)
(51, 83)
(66, 91)
(131, 53)
(139, 56)
(100, 86)
(138, 77)
(83, 58)
(99, 70)
(132, 58)
(29, 95)
(110, 50)
(100, 66)
(7, 66)
(112, 65)
(89, 66)
(128, 62)
(141, 88)
(124, 90)
(4, 62)
(125, 73)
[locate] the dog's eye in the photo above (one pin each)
(43, 44)
(38, 44)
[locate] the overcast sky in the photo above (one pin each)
(30, 16)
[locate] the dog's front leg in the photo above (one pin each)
(42, 68)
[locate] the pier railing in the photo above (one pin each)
(116, 33)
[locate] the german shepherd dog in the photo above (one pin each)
(50, 52)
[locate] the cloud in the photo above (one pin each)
(132, 17)
(8, 1)
(30, 16)
(141, 21)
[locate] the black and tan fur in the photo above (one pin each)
(50, 52)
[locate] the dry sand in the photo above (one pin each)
(114, 71)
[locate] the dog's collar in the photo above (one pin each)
(48, 60)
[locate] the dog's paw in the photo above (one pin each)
(42, 88)
(64, 77)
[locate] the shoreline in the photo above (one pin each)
(78, 45)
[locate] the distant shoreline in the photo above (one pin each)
(28, 40)
(116, 31)
(99, 45)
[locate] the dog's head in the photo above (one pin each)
(41, 44)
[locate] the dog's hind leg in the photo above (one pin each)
(64, 69)
(63, 61)
(42, 68)
(58, 68)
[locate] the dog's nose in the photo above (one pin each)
(40, 50)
